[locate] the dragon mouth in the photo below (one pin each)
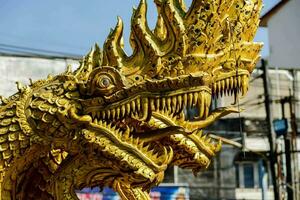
(141, 105)
(153, 130)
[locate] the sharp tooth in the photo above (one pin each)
(185, 100)
(214, 88)
(208, 99)
(239, 81)
(138, 104)
(179, 101)
(228, 88)
(208, 140)
(195, 99)
(118, 112)
(174, 103)
(207, 104)
(231, 83)
(223, 85)
(98, 115)
(163, 103)
(123, 110)
(103, 114)
(133, 106)
(227, 80)
(219, 88)
(136, 142)
(131, 139)
(190, 100)
(93, 114)
(234, 83)
(223, 88)
(151, 152)
(244, 84)
(231, 91)
(169, 104)
(108, 114)
(128, 110)
(157, 104)
(141, 145)
(145, 108)
(152, 106)
(95, 121)
(147, 148)
(201, 104)
(113, 113)
(199, 134)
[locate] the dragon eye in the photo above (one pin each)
(104, 82)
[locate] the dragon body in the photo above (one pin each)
(120, 121)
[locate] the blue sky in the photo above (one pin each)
(73, 26)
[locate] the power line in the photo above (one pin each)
(37, 56)
(8, 47)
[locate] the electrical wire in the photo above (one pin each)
(37, 56)
(9, 47)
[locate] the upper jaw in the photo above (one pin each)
(230, 83)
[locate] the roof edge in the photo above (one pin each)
(265, 18)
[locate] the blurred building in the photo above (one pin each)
(283, 23)
(15, 67)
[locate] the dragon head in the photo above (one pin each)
(138, 102)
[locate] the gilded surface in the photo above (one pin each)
(119, 120)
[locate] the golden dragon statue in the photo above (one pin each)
(119, 121)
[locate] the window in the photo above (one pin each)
(248, 175)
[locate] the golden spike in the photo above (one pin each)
(30, 81)
(175, 19)
(3, 100)
(113, 52)
(142, 32)
(68, 69)
(160, 30)
(20, 86)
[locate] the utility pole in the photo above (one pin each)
(293, 108)
(293, 142)
(287, 149)
(271, 136)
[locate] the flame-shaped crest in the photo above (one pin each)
(211, 34)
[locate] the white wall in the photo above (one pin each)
(14, 69)
(284, 36)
